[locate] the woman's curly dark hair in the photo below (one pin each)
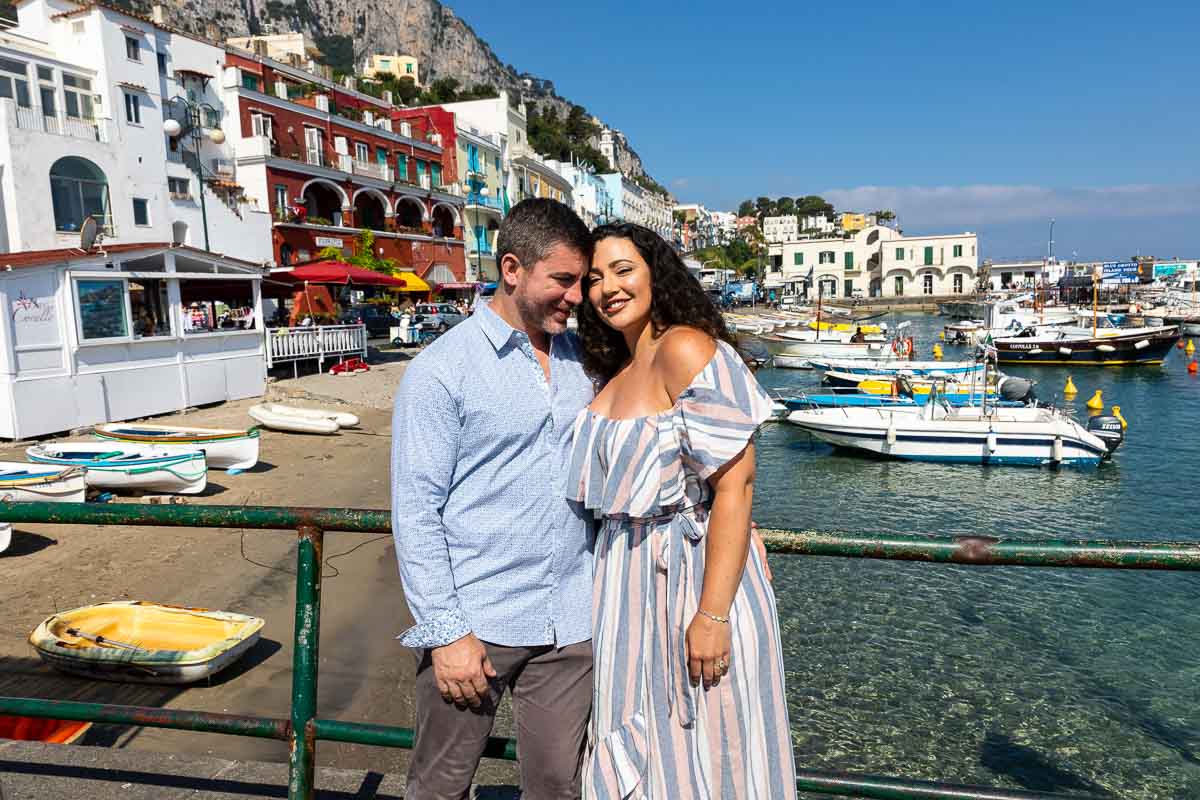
(676, 298)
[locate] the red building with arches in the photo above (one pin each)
(329, 161)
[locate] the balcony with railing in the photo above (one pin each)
(369, 169)
(57, 124)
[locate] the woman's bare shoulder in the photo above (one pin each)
(683, 351)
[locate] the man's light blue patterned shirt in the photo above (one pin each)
(486, 540)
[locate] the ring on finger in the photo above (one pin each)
(722, 666)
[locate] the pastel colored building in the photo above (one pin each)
(394, 64)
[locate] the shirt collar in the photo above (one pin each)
(498, 332)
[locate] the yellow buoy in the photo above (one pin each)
(1117, 414)
(1191, 348)
(942, 336)
(937, 352)
(1070, 389)
(1097, 401)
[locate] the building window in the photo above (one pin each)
(133, 49)
(958, 283)
(381, 155)
(958, 250)
(281, 201)
(849, 259)
(402, 167)
(420, 171)
(827, 257)
(77, 97)
(899, 253)
(927, 283)
(101, 309)
(141, 212)
(149, 307)
(179, 189)
(162, 63)
(362, 153)
(208, 307)
(899, 286)
(408, 69)
(848, 287)
(928, 256)
(797, 259)
(435, 172)
(14, 81)
(78, 190)
(250, 81)
(261, 124)
(497, 165)
(133, 109)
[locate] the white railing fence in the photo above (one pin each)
(316, 342)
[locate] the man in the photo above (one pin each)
(496, 563)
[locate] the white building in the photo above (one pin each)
(815, 226)
(125, 331)
(589, 193)
(82, 135)
(785, 228)
(877, 262)
(658, 213)
(725, 225)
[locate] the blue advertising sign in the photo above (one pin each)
(1167, 270)
(1120, 272)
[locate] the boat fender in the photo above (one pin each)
(992, 443)
(1066, 351)
(1142, 344)
(1105, 348)
(1191, 348)
(1037, 351)
(1056, 452)
(891, 431)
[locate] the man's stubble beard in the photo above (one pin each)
(536, 316)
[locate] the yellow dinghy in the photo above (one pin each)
(844, 327)
(141, 642)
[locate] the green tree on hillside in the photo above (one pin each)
(746, 209)
(764, 206)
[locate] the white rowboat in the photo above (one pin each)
(301, 420)
(129, 466)
(22, 482)
(224, 448)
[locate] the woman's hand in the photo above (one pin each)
(708, 643)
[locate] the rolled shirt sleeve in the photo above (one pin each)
(426, 429)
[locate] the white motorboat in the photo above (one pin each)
(301, 420)
(967, 434)
(129, 466)
(22, 482)
(224, 448)
(826, 347)
(790, 362)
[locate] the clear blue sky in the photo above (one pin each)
(990, 116)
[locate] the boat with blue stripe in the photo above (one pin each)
(129, 466)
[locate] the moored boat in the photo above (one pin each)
(809, 347)
(143, 642)
(224, 448)
(128, 466)
(1111, 346)
(893, 366)
(969, 435)
(301, 420)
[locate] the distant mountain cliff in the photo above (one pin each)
(348, 30)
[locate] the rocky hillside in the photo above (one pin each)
(348, 30)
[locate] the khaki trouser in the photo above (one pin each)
(552, 702)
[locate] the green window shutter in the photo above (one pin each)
(928, 256)
(849, 260)
(402, 166)
(797, 259)
(899, 253)
(958, 251)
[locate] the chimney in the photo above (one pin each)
(158, 14)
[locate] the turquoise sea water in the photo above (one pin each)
(1071, 681)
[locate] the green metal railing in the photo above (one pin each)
(303, 729)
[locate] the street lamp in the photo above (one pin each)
(194, 128)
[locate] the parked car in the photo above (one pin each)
(377, 319)
(439, 317)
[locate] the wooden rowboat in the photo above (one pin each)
(129, 465)
(224, 448)
(36, 729)
(142, 642)
(22, 482)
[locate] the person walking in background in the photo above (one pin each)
(689, 695)
(496, 562)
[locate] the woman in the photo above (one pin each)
(689, 699)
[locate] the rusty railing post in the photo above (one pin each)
(307, 636)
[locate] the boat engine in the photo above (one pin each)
(1018, 389)
(1109, 430)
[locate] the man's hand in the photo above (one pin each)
(762, 550)
(462, 670)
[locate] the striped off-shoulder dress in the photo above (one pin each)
(653, 735)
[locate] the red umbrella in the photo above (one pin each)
(338, 272)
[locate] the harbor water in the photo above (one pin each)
(1071, 681)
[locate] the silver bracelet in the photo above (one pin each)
(713, 617)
